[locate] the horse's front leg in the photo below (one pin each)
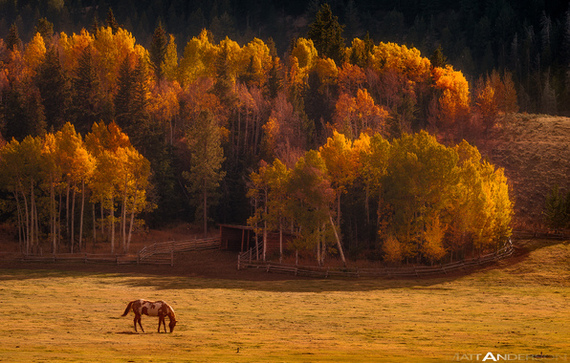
(161, 321)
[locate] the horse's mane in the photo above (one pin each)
(171, 313)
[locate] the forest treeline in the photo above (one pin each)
(206, 118)
(528, 38)
(53, 177)
(423, 201)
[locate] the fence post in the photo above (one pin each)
(239, 260)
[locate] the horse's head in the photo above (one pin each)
(172, 324)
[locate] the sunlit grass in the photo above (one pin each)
(69, 316)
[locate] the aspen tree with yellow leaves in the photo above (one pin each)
(77, 166)
(339, 159)
(222, 108)
(20, 165)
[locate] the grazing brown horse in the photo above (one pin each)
(157, 308)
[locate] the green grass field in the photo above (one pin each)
(518, 308)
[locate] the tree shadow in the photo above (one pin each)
(181, 278)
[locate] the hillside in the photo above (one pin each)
(534, 150)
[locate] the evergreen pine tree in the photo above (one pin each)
(326, 33)
(54, 90)
(45, 28)
(95, 25)
(131, 103)
(556, 209)
(86, 100)
(13, 41)
(157, 51)
(140, 129)
(123, 96)
(224, 83)
(438, 59)
(111, 21)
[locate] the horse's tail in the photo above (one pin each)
(128, 309)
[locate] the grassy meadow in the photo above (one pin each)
(519, 307)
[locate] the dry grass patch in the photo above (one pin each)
(70, 316)
(535, 152)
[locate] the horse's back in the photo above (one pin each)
(151, 308)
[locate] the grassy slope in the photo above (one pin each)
(535, 152)
(521, 308)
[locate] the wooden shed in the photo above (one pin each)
(236, 238)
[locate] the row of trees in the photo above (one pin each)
(530, 39)
(55, 178)
(423, 200)
(205, 119)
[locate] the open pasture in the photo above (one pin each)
(521, 307)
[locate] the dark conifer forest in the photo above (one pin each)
(530, 38)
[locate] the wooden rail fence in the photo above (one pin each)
(161, 253)
(246, 260)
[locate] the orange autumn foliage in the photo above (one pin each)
(454, 99)
(354, 115)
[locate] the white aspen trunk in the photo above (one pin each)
(82, 211)
(112, 223)
(132, 221)
(72, 234)
(94, 226)
(170, 124)
(255, 132)
(238, 134)
(102, 218)
(124, 216)
(20, 227)
(59, 219)
(265, 226)
(280, 242)
(53, 215)
(32, 214)
(27, 230)
(256, 231)
(337, 241)
(245, 127)
(319, 248)
(324, 244)
(37, 223)
(367, 204)
(205, 194)
(338, 208)
(67, 211)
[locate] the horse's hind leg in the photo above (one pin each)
(139, 320)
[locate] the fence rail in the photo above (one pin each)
(161, 253)
(245, 261)
(532, 234)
